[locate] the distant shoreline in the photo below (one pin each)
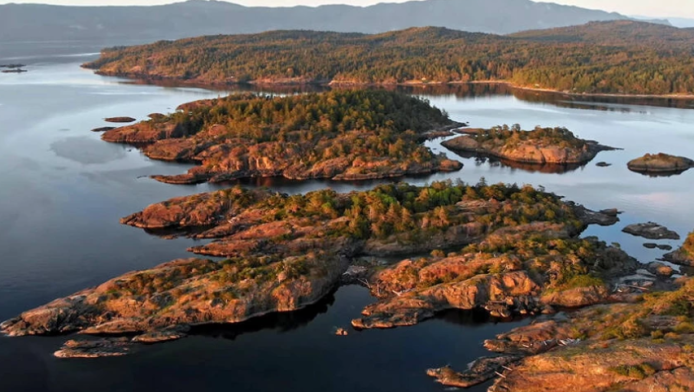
(288, 83)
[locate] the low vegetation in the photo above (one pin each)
(688, 246)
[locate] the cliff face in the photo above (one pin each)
(541, 146)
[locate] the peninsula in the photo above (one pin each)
(339, 135)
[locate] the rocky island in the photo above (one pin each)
(660, 164)
(285, 252)
(541, 146)
(498, 248)
(651, 231)
(340, 135)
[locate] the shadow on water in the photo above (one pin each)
(278, 321)
(283, 322)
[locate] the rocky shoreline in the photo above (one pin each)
(638, 343)
(683, 256)
(651, 231)
(302, 82)
(542, 146)
(274, 143)
(504, 250)
(660, 164)
(292, 260)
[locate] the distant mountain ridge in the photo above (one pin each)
(35, 22)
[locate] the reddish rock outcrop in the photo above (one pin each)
(302, 137)
(660, 163)
(555, 146)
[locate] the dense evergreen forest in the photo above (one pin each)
(621, 57)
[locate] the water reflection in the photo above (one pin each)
(491, 161)
(661, 174)
(600, 103)
(464, 91)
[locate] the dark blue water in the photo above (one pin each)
(63, 190)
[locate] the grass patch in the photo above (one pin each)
(638, 372)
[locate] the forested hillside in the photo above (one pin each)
(619, 57)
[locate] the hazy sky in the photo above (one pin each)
(659, 8)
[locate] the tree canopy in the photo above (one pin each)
(620, 57)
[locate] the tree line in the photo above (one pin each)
(601, 57)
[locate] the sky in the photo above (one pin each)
(650, 8)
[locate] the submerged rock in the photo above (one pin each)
(652, 231)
